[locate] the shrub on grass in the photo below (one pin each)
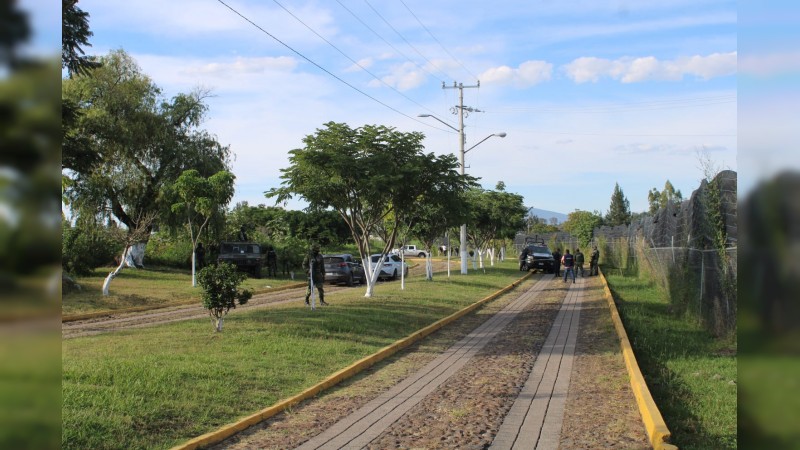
(169, 251)
(87, 246)
(221, 292)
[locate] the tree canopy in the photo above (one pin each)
(126, 142)
(619, 212)
(581, 224)
(367, 174)
(494, 215)
(660, 199)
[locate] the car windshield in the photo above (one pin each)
(333, 259)
(537, 249)
(396, 258)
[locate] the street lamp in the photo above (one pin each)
(462, 152)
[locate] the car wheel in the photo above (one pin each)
(394, 274)
(421, 255)
(350, 280)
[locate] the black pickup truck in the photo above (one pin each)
(246, 256)
(539, 257)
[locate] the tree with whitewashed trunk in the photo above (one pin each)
(493, 215)
(199, 198)
(138, 233)
(221, 293)
(373, 176)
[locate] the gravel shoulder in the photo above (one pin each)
(469, 408)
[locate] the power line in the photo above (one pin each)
(386, 42)
(351, 59)
(406, 40)
(437, 40)
(326, 70)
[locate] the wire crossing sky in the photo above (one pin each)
(591, 93)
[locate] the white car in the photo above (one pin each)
(392, 267)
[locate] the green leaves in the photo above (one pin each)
(221, 292)
(581, 224)
(124, 142)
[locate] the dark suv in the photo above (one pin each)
(246, 256)
(539, 258)
(343, 268)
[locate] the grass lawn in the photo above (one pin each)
(145, 287)
(692, 375)
(157, 387)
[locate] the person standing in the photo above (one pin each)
(594, 258)
(569, 265)
(272, 262)
(557, 262)
(579, 260)
(315, 270)
(199, 257)
(523, 259)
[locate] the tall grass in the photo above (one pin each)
(691, 374)
(156, 387)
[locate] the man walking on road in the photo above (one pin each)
(315, 270)
(569, 265)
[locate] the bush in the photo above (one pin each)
(169, 251)
(220, 283)
(86, 247)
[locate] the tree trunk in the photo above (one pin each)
(402, 270)
(428, 267)
(194, 258)
(114, 273)
(218, 324)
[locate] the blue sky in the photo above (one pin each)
(590, 93)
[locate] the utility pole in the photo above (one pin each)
(459, 109)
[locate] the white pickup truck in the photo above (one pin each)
(411, 250)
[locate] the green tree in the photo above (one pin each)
(537, 225)
(660, 199)
(366, 174)
(198, 199)
(581, 224)
(619, 212)
(438, 211)
(493, 215)
(126, 142)
(220, 283)
(75, 35)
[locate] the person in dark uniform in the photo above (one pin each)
(315, 270)
(594, 258)
(579, 260)
(569, 265)
(272, 262)
(523, 259)
(199, 256)
(557, 262)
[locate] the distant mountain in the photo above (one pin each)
(547, 215)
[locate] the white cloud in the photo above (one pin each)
(649, 68)
(527, 74)
(402, 77)
(241, 65)
(364, 63)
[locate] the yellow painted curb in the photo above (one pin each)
(92, 315)
(654, 424)
(336, 378)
